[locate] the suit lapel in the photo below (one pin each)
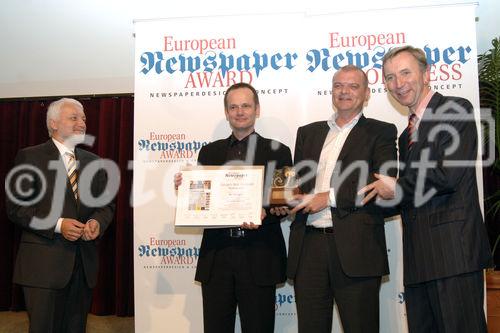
(81, 160)
(424, 127)
(53, 155)
(314, 137)
(353, 139)
(403, 145)
(52, 151)
(320, 137)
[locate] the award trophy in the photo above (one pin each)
(285, 186)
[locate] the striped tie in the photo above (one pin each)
(72, 174)
(412, 125)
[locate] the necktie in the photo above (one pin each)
(72, 174)
(412, 126)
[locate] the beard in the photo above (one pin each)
(75, 139)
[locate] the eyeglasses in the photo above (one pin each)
(243, 107)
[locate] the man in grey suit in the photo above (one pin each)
(445, 247)
(50, 199)
(337, 249)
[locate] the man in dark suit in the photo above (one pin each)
(337, 250)
(240, 267)
(445, 247)
(57, 260)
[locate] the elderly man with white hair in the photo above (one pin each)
(57, 261)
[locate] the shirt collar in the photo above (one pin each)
(333, 124)
(62, 148)
(233, 140)
(419, 111)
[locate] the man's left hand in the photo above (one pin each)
(253, 226)
(311, 203)
(91, 230)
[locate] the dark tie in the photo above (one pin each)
(72, 174)
(412, 126)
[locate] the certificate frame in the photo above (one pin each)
(219, 196)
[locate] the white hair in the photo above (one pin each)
(54, 110)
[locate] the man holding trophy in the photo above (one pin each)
(337, 250)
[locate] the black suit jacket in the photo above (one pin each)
(265, 246)
(45, 258)
(443, 235)
(358, 231)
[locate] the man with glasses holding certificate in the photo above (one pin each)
(240, 267)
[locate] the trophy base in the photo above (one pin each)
(281, 196)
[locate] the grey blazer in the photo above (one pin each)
(45, 258)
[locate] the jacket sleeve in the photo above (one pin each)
(25, 191)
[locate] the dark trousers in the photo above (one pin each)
(60, 310)
(231, 285)
(320, 282)
(449, 305)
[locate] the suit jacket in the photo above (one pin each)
(265, 246)
(444, 234)
(45, 258)
(359, 231)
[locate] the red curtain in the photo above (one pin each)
(110, 120)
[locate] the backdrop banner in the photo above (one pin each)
(182, 68)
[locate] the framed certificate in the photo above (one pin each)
(219, 196)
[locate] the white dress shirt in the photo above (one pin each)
(334, 142)
(62, 151)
